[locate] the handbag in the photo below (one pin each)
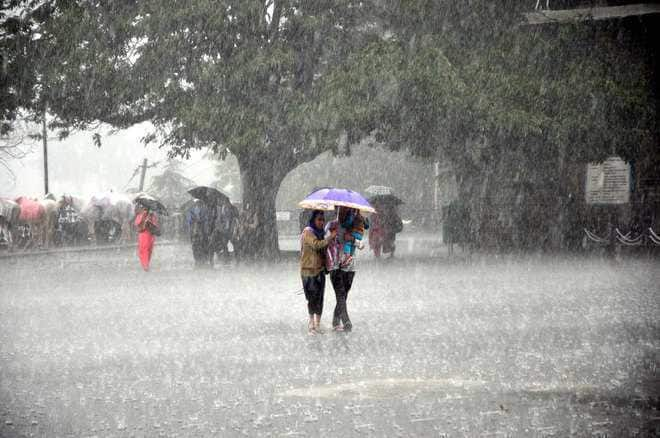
(152, 228)
(397, 226)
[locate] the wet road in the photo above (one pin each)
(91, 346)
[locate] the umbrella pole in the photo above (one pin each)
(143, 174)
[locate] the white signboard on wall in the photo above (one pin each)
(608, 182)
(283, 215)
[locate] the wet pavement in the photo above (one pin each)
(499, 346)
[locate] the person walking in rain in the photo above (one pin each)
(385, 225)
(342, 272)
(200, 225)
(148, 228)
(222, 231)
(312, 260)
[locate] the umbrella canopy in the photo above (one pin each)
(78, 203)
(120, 210)
(91, 212)
(9, 210)
(379, 190)
(385, 200)
(209, 195)
(328, 198)
(109, 206)
(101, 199)
(30, 210)
(151, 203)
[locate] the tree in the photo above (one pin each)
(17, 143)
(277, 82)
(37, 58)
(228, 176)
(246, 77)
(512, 108)
(18, 72)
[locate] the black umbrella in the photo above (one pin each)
(209, 195)
(385, 200)
(151, 203)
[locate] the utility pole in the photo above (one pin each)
(44, 134)
(436, 186)
(142, 175)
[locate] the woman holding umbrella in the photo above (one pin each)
(342, 272)
(148, 228)
(313, 242)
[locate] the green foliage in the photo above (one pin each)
(464, 79)
(277, 82)
(228, 177)
(291, 77)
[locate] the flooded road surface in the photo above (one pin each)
(529, 346)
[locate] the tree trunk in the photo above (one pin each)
(258, 222)
(558, 241)
(467, 180)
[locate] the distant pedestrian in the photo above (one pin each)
(222, 231)
(385, 225)
(312, 267)
(200, 225)
(148, 228)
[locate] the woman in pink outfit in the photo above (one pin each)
(148, 228)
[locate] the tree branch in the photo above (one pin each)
(273, 31)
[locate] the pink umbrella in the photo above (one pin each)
(31, 211)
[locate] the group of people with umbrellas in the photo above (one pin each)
(212, 221)
(27, 222)
(329, 248)
(210, 217)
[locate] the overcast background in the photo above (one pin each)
(77, 166)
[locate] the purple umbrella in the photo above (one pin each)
(328, 198)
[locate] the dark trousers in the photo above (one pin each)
(200, 249)
(314, 288)
(341, 283)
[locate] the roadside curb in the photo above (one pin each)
(104, 248)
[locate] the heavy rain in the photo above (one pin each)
(342, 218)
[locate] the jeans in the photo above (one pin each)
(341, 283)
(314, 288)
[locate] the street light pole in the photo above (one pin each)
(44, 135)
(142, 175)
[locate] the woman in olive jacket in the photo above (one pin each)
(312, 267)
